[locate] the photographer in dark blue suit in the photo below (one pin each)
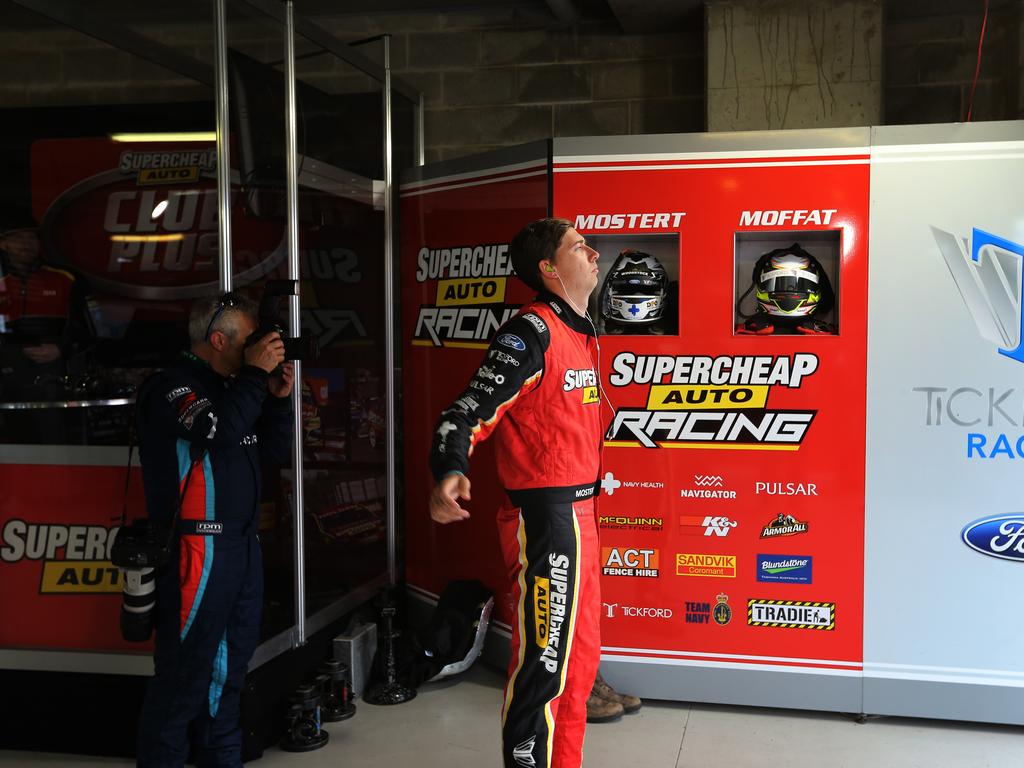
(205, 426)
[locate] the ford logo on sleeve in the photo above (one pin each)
(1000, 536)
(511, 341)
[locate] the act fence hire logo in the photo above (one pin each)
(694, 401)
(470, 301)
(75, 558)
(625, 561)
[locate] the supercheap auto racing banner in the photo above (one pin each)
(457, 289)
(732, 311)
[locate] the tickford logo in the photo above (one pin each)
(989, 281)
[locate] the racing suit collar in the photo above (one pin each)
(566, 313)
(201, 368)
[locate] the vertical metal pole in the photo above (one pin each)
(294, 323)
(420, 152)
(223, 146)
(389, 313)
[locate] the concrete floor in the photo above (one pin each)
(455, 724)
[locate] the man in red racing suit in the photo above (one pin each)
(537, 391)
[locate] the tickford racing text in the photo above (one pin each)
(75, 558)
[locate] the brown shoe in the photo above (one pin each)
(603, 711)
(630, 704)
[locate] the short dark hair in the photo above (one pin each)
(534, 243)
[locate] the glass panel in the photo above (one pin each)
(256, 88)
(95, 289)
(342, 239)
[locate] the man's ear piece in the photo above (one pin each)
(549, 268)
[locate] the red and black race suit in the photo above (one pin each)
(537, 391)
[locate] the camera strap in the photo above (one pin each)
(128, 473)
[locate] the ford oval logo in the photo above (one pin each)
(999, 536)
(513, 342)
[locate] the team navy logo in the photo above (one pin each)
(990, 282)
(791, 569)
(1000, 536)
(511, 341)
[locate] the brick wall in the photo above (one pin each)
(793, 64)
(931, 52)
(494, 78)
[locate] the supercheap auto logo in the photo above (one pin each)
(177, 167)
(694, 401)
(469, 304)
(75, 558)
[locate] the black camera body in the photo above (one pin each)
(139, 550)
(142, 544)
(271, 320)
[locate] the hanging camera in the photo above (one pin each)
(272, 320)
(139, 550)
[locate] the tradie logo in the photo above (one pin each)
(990, 282)
(522, 753)
(609, 483)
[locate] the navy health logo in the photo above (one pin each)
(990, 282)
(790, 569)
(999, 536)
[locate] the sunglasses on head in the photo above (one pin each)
(225, 301)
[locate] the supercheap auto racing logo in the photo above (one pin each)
(693, 401)
(75, 558)
(469, 304)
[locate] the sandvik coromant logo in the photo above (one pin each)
(988, 275)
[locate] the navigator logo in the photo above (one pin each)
(988, 275)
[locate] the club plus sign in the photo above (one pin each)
(634, 310)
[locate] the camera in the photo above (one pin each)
(270, 320)
(139, 550)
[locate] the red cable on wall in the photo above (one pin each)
(977, 66)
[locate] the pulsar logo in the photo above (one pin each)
(989, 279)
(1000, 536)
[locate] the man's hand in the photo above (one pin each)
(281, 386)
(42, 353)
(443, 505)
(267, 353)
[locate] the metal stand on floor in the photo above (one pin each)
(390, 691)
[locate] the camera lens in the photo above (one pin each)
(138, 600)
